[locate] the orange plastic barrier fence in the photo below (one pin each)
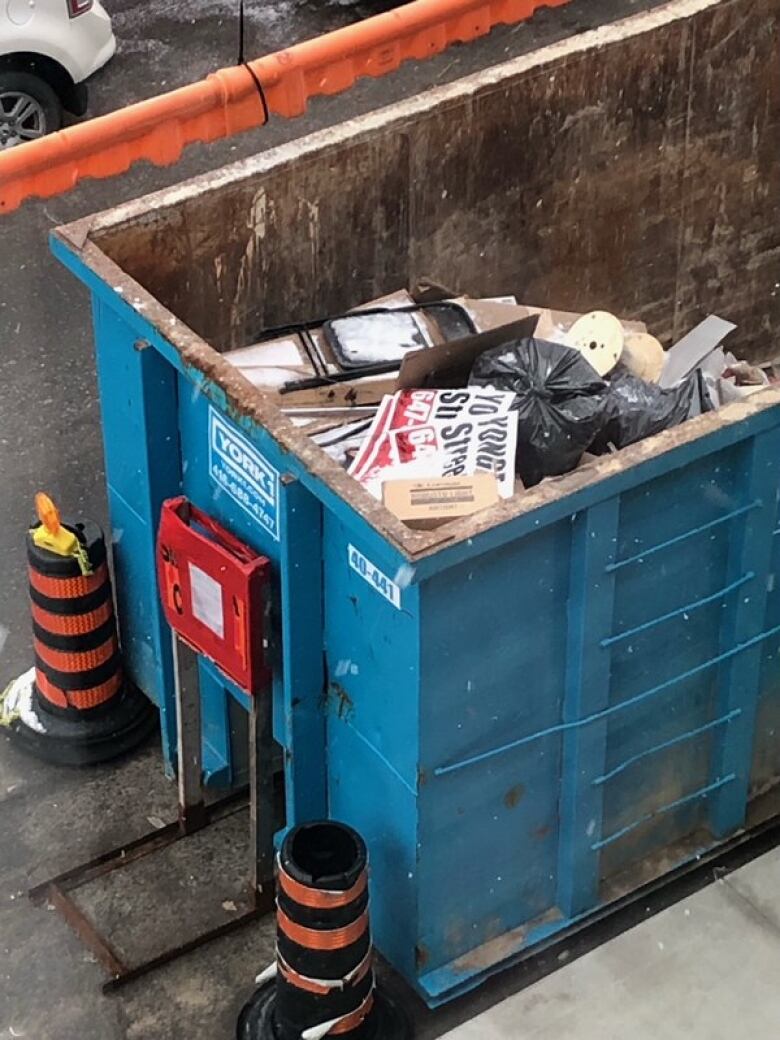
(240, 98)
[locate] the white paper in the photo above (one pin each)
(207, 600)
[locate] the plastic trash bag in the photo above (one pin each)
(560, 402)
(637, 409)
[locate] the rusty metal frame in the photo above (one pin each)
(56, 890)
(194, 815)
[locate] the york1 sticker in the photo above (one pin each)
(375, 578)
(242, 473)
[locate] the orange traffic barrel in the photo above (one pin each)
(75, 706)
(322, 983)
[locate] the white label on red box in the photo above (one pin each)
(207, 600)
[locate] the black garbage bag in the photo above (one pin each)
(560, 402)
(637, 409)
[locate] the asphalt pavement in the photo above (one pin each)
(50, 438)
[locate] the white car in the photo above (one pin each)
(48, 48)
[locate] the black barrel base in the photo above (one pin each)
(257, 1020)
(118, 727)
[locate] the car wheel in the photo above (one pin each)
(29, 108)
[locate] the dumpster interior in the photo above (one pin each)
(554, 219)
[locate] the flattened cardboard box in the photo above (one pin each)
(439, 498)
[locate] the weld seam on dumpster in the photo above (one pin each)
(724, 719)
(646, 625)
(756, 504)
(701, 793)
(607, 712)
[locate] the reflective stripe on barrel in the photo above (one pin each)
(68, 588)
(77, 659)
(323, 986)
(320, 900)
(82, 700)
(350, 1022)
(323, 943)
(72, 624)
(325, 938)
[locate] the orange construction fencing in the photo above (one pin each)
(242, 97)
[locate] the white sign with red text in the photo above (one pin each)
(440, 433)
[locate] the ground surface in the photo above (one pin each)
(50, 438)
(704, 969)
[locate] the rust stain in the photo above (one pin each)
(502, 947)
(540, 833)
(421, 956)
(513, 796)
(337, 696)
(454, 935)
(422, 777)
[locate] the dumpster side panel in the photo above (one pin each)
(493, 668)
(219, 472)
(608, 667)
(372, 651)
(138, 399)
(668, 609)
(691, 619)
(766, 764)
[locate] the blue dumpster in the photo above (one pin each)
(534, 711)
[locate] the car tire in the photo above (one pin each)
(42, 114)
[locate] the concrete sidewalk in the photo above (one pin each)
(705, 969)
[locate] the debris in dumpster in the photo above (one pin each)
(449, 364)
(636, 409)
(643, 356)
(429, 503)
(554, 326)
(687, 354)
(370, 340)
(319, 420)
(377, 337)
(367, 386)
(440, 433)
(559, 401)
(746, 375)
(599, 337)
(340, 393)
(343, 442)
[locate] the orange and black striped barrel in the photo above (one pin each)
(77, 660)
(324, 956)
